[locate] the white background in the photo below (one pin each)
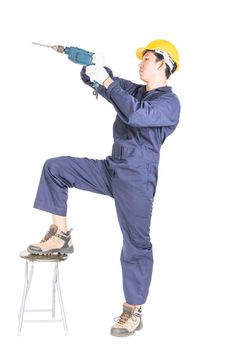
(47, 111)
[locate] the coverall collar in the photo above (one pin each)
(162, 88)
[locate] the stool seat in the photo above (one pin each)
(31, 259)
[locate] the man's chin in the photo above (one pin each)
(143, 79)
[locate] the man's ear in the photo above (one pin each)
(160, 64)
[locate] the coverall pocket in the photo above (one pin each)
(109, 169)
(152, 173)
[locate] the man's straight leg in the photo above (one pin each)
(134, 201)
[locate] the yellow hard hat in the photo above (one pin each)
(161, 45)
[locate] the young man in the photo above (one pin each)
(146, 115)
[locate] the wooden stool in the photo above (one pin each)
(31, 258)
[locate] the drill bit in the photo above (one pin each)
(58, 48)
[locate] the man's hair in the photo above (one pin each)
(160, 57)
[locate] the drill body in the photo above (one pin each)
(79, 56)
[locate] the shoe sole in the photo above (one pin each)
(61, 251)
(120, 335)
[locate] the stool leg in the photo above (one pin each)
(27, 283)
(60, 299)
(54, 293)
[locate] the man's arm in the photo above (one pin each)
(163, 111)
(126, 85)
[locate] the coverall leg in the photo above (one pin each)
(65, 172)
(133, 184)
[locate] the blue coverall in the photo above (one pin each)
(144, 119)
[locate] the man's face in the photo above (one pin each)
(148, 68)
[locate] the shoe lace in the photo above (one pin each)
(48, 235)
(124, 317)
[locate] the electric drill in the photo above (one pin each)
(79, 56)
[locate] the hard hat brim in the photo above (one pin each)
(139, 52)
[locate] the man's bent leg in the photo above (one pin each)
(63, 172)
(58, 174)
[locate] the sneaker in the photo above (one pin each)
(55, 241)
(128, 322)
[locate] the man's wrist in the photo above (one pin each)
(107, 82)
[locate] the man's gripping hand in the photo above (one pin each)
(97, 73)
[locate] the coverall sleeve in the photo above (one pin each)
(163, 111)
(126, 85)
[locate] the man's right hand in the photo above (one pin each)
(97, 73)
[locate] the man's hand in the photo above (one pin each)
(97, 73)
